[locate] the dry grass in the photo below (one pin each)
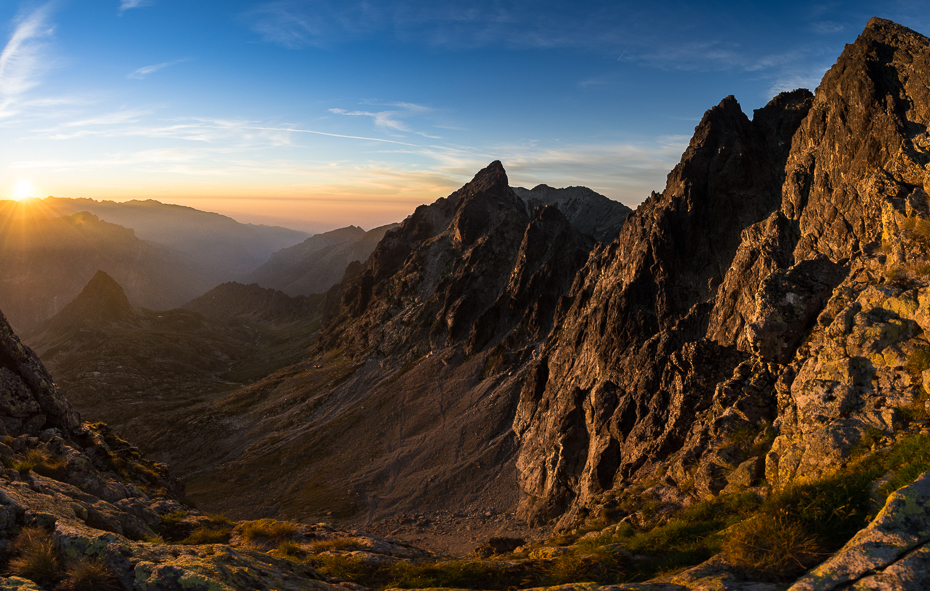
(267, 530)
(769, 547)
(40, 462)
(36, 557)
(89, 575)
(291, 549)
(208, 535)
(336, 544)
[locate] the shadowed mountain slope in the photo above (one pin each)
(455, 295)
(125, 365)
(317, 263)
(591, 213)
(712, 314)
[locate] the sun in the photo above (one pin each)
(23, 190)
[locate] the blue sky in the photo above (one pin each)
(320, 113)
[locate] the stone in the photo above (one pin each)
(894, 544)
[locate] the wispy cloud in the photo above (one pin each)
(21, 60)
(236, 134)
(146, 70)
(827, 27)
(807, 76)
(390, 121)
(125, 5)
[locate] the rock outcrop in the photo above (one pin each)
(751, 292)
(589, 212)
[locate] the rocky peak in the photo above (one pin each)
(101, 300)
(622, 380)
(591, 213)
(491, 179)
(877, 92)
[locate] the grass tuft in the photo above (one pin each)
(268, 529)
(208, 535)
(36, 556)
(772, 548)
(89, 575)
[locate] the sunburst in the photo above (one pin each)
(23, 190)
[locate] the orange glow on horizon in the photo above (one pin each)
(23, 190)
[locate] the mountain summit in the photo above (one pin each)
(101, 300)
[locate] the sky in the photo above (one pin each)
(317, 114)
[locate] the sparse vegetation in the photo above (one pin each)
(89, 575)
(36, 557)
(291, 549)
(336, 544)
(919, 360)
(772, 539)
(209, 535)
(39, 461)
(922, 230)
(769, 547)
(819, 517)
(267, 530)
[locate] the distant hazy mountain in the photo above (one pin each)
(317, 263)
(218, 246)
(47, 261)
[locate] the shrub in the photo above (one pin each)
(773, 548)
(268, 529)
(89, 575)
(289, 548)
(36, 556)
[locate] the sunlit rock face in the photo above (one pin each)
(696, 323)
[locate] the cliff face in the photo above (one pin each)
(687, 327)
(475, 268)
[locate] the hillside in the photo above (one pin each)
(217, 246)
(48, 260)
(123, 365)
(560, 392)
(317, 263)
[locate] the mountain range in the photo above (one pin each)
(726, 388)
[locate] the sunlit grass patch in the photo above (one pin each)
(267, 530)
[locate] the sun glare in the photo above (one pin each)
(23, 190)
